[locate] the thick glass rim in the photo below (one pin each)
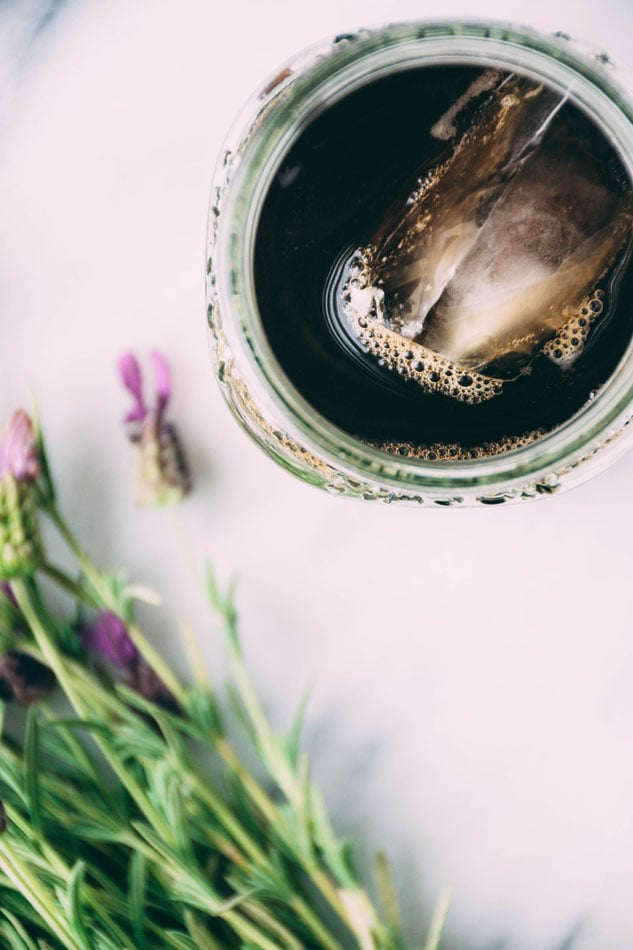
(265, 130)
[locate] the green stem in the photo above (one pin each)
(49, 652)
(72, 587)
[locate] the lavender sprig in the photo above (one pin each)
(141, 846)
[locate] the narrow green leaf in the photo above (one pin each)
(199, 933)
(203, 711)
(99, 832)
(16, 933)
(174, 809)
(333, 848)
(438, 920)
(292, 741)
(241, 714)
(88, 725)
(190, 888)
(180, 941)
(73, 899)
(386, 890)
(224, 605)
(65, 745)
(48, 485)
(179, 723)
(32, 768)
(213, 592)
(303, 811)
(104, 942)
(11, 939)
(137, 881)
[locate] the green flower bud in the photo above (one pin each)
(21, 550)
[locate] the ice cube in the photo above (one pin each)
(497, 253)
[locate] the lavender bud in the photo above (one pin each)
(18, 451)
(20, 540)
(107, 636)
(143, 680)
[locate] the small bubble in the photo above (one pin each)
(465, 380)
(434, 377)
(596, 306)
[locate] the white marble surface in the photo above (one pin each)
(472, 707)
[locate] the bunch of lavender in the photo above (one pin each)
(133, 822)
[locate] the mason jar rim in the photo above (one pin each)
(263, 133)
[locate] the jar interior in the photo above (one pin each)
(360, 161)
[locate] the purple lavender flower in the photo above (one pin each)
(24, 679)
(20, 542)
(108, 637)
(18, 454)
(163, 476)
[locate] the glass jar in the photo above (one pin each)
(263, 399)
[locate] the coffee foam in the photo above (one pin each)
(565, 348)
(364, 308)
(454, 452)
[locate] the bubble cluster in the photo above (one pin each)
(454, 452)
(569, 343)
(363, 304)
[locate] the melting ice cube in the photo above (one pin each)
(496, 255)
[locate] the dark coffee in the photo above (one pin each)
(442, 263)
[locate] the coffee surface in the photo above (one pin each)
(392, 238)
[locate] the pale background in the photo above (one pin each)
(472, 671)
